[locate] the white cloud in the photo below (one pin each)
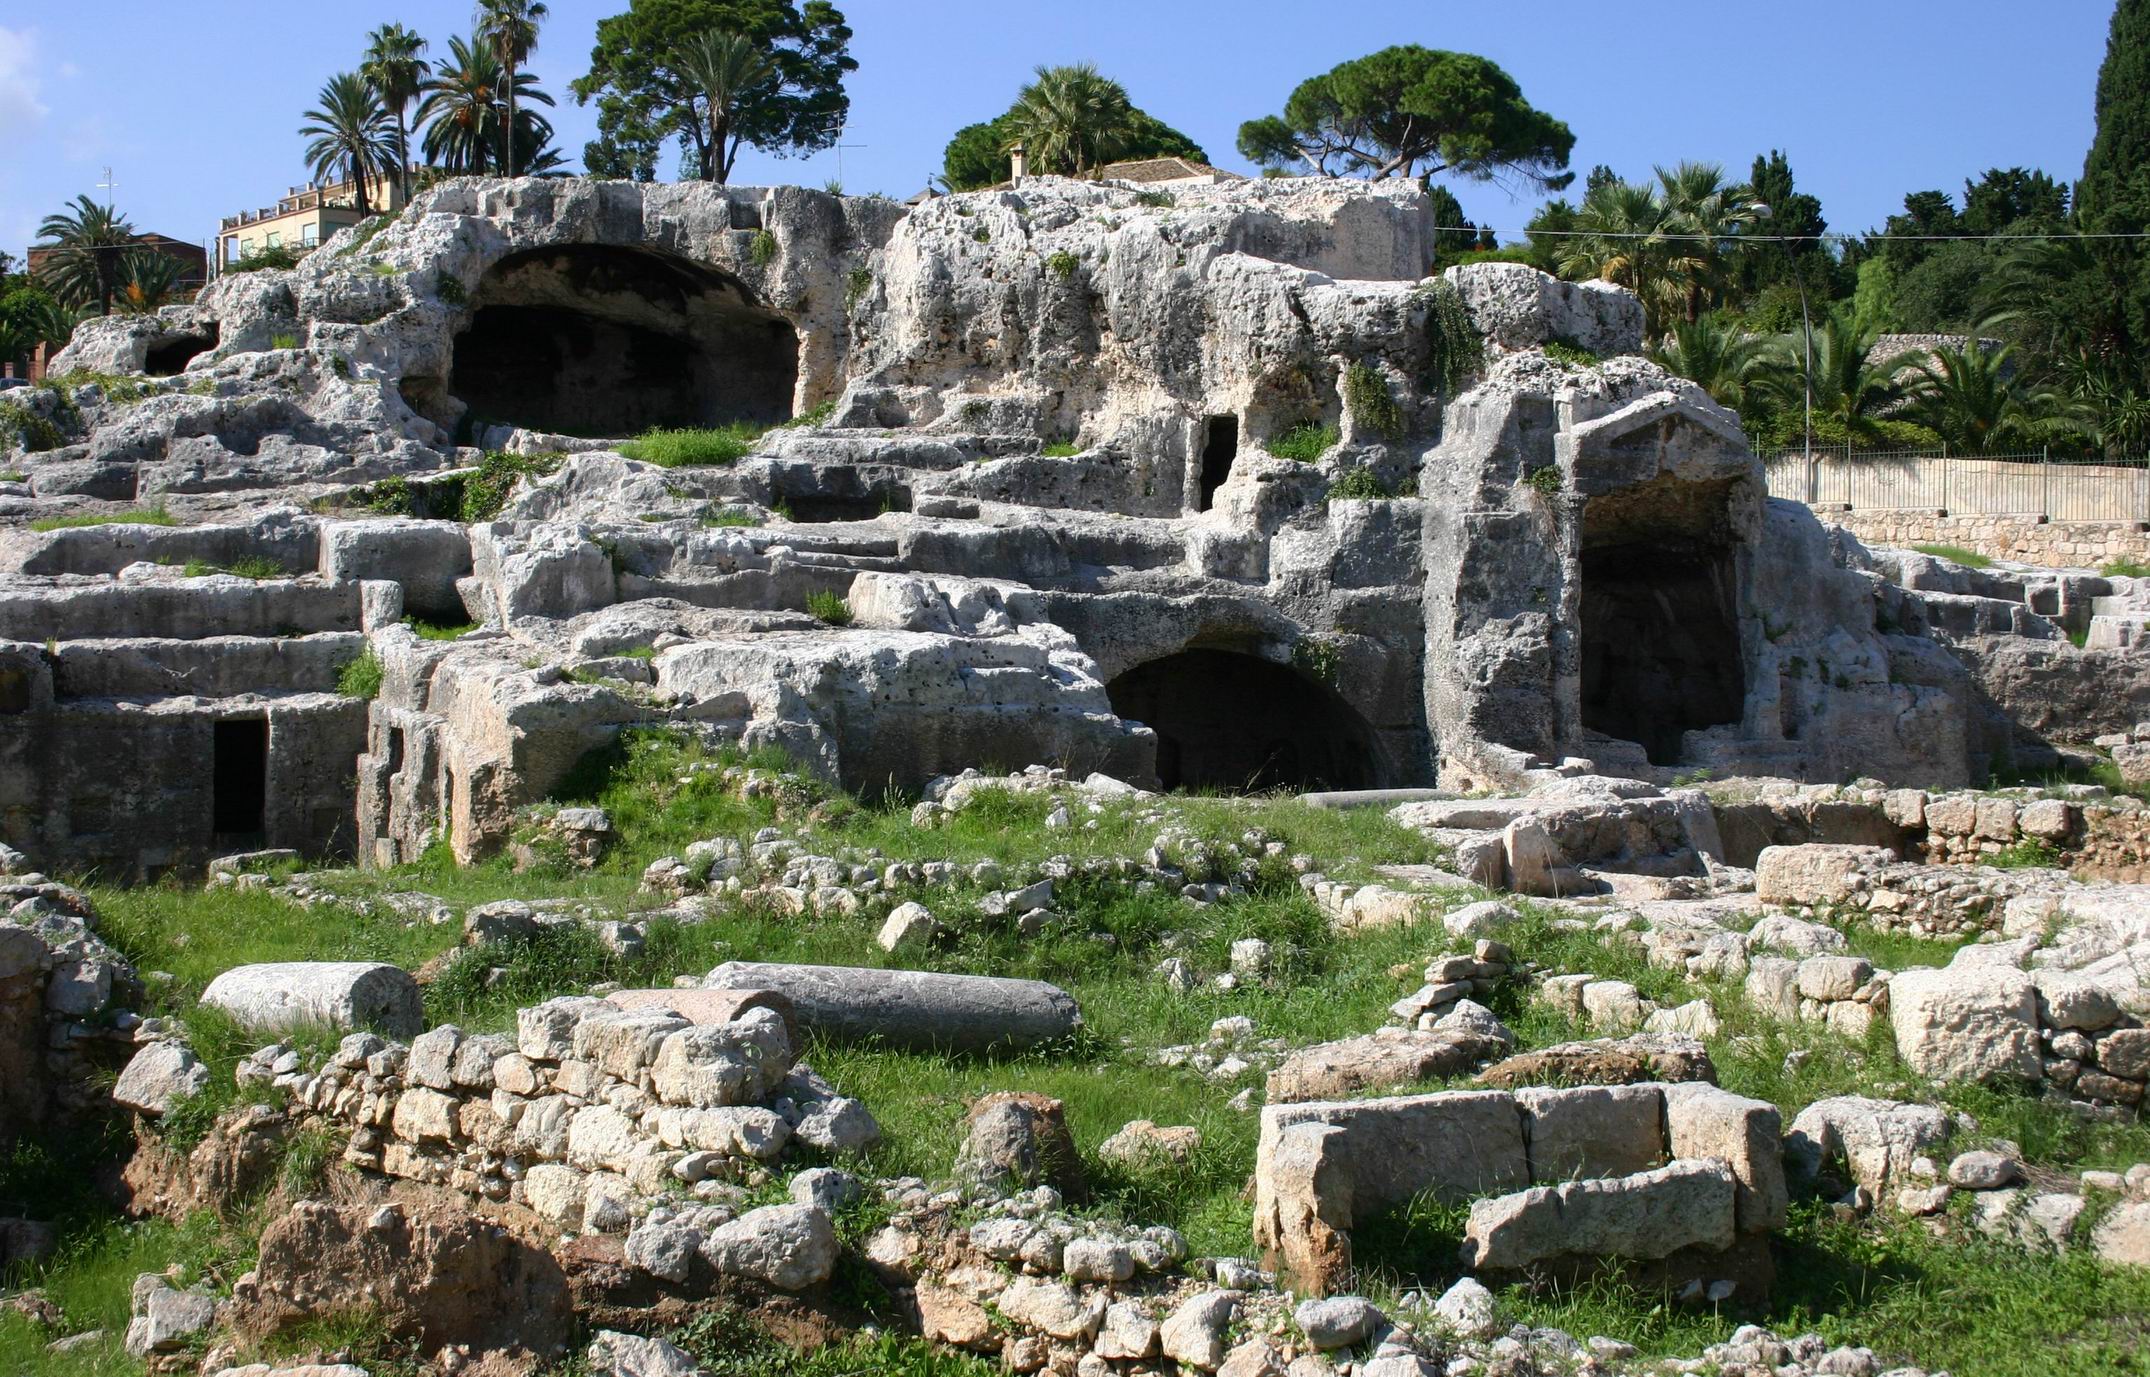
(19, 103)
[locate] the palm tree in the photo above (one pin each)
(146, 281)
(396, 72)
(462, 110)
(1847, 387)
(1071, 119)
(724, 67)
(1620, 238)
(352, 135)
(1969, 397)
(510, 29)
(1704, 213)
(87, 246)
(1717, 357)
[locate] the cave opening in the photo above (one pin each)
(170, 358)
(1220, 446)
(1660, 615)
(1240, 724)
(607, 342)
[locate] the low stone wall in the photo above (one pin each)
(1697, 1167)
(2055, 544)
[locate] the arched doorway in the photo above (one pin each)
(1238, 723)
(591, 340)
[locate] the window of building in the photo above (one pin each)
(276, 239)
(310, 236)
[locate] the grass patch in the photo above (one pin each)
(362, 677)
(2125, 569)
(1061, 449)
(251, 567)
(439, 631)
(135, 516)
(35, 434)
(828, 606)
(702, 447)
(1062, 264)
(731, 518)
(1568, 354)
(1305, 443)
(1359, 485)
(1969, 559)
(487, 489)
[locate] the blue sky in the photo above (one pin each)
(195, 105)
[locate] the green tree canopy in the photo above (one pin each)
(2114, 195)
(645, 97)
(978, 154)
(88, 242)
(1411, 111)
(349, 136)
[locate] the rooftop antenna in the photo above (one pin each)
(109, 186)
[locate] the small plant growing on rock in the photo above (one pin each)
(761, 250)
(1372, 408)
(35, 433)
(135, 516)
(283, 340)
(1545, 481)
(828, 607)
(451, 290)
(1061, 449)
(1568, 354)
(1157, 199)
(856, 285)
(361, 678)
(1359, 485)
(982, 235)
(1454, 351)
(1063, 265)
(698, 447)
(1306, 442)
(486, 491)
(1317, 659)
(389, 497)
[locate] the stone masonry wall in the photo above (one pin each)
(2060, 544)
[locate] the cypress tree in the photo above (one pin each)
(2114, 195)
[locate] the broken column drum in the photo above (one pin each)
(923, 1010)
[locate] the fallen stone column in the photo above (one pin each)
(911, 1009)
(279, 996)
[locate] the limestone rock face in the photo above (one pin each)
(788, 1247)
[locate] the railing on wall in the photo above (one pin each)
(2034, 485)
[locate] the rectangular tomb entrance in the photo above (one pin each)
(239, 778)
(1660, 614)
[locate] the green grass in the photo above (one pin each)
(695, 448)
(2126, 568)
(1568, 354)
(1305, 443)
(487, 489)
(731, 518)
(439, 631)
(1359, 484)
(136, 516)
(1969, 559)
(362, 677)
(1061, 449)
(1373, 410)
(251, 567)
(1981, 1310)
(828, 606)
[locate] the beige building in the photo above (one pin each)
(303, 219)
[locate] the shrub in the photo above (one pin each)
(1305, 442)
(1159, 199)
(1063, 265)
(1546, 481)
(1317, 659)
(451, 290)
(1372, 408)
(982, 235)
(361, 678)
(694, 448)
(1061, 449)
(486, 491)
(389, 497)
(1359, 484)
(136, 516)
(283, 340)
(36, 434)
(856, 284)
(1568, 354)
(2126, 569)
(1969, 559)
(829, 607)
(120, 389)
(762, 249)
(2027, 854)
(277, 259)
(1454, 351)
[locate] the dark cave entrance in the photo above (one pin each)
(1240, 724)
(610, 342)
(239, 777)
(170, 359)
(1660, 615)
(1220, 446)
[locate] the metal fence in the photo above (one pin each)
(2035, 485)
